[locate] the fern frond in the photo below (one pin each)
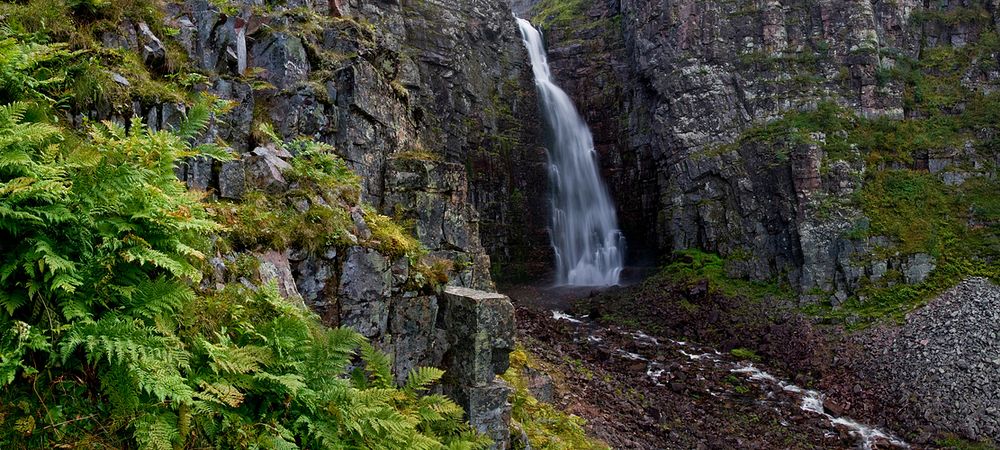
(377, 364)
(159, 297)
(221, 393)
(229, 359)
(157, 431)
(421, 378)
(198, 117)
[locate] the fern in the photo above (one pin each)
(156, 431)
(107, 341)
(421, 378)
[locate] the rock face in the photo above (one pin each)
(670, 88)
(432, 105)
(390, 85)
(941, 365)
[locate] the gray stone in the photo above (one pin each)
(232, 180)
(154, 54)
(480, 330)
(265, 167)
(275, 267)
(413, 325)
(540, 385)
(939, 365)
(918, 267)
(360, 226)
(316, 280)
(283, 58)
(364, 291)
(489, 411)
(118, 78)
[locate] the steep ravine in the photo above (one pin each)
(678, 92)
(835, 164)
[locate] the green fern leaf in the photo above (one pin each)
(421, 378)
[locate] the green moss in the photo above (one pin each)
(695, 266)
(418, 153)
(390, 237)
(957, 443)
(561, 13)
(977, 14)
(315, 212)
(94, 73)
(911, 207)
(878, 302)
(745, 354)
(545, 426)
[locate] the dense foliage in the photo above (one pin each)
(106, 340)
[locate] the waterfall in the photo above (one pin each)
(584, 230)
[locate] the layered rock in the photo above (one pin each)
(672, 87)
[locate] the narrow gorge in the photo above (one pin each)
(493, 224)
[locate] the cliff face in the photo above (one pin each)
(428, 102)
(431, 104)
(678, 93)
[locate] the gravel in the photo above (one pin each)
(943, 365)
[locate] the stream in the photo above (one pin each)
(782, 396)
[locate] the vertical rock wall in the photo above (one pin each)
(671, 86)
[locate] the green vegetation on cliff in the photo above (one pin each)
(107, 338)
(542, 423)
(694, 266)
(956, 222)
(916, 211)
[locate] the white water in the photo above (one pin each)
(812, 401)
(585, 237)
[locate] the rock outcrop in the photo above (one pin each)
(481, 336)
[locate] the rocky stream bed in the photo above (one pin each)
(638, 390)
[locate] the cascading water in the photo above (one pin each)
(585, 236)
